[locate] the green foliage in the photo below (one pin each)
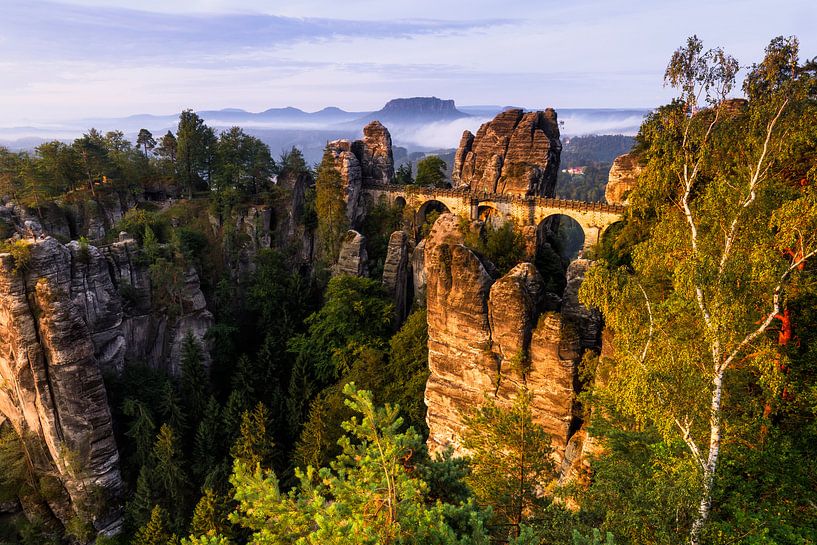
(195, 384)
(367, 495)
(594, 539)
(406, 372)
(511, 464)
(403, 175)
(155, 531)
(20, 251)
(136, 222)
(330, 206)
(431, 172)
(588, 186)
(718, 228)
(195, 151)
(244, 162)
(209, 518)
(380, 222)
(254, 445)
(504, 246)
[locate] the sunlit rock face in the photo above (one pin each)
(397, 272)
(622, 178)
(363, 162)
(59, 324)
(517, 153)
(68, 314)
(352, 259)
(490, 338)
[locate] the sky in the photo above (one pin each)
(73, 59)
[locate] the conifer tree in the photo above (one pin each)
(169, 476)
(510, 461)
(170, 409)
(194, 382)
(207, 442)
(331, 206)
(141, 430)
(254, 445)
(155, 531)
(138, 509)
(209, 517)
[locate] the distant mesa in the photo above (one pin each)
(416, 110)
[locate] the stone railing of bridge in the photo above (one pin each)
(593, 217)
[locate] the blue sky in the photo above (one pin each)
(91, 58)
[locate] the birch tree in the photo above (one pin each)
(728, 204)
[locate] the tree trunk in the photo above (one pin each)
(712, 459)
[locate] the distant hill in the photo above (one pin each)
(415, 111)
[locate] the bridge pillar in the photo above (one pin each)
(474, 210)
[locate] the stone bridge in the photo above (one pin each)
(593, 218)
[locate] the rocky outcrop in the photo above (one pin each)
(376, 158)
(352, 259)
(490, 338)
(52, 389)
(462, 367)
(396, 273)
(517, 153)
(363, 162)
(418, 273)
(75, 215)
(154, 331)
(622, 178)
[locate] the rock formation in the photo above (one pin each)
(68, 313)
(353, 259)
(396, 273)
(517, 153)
(418, 273)
(622, 178)
(363, 162)
(489, 338)
(52, 388)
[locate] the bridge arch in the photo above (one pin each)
(429, 207)
(564, 234)
(400, 202)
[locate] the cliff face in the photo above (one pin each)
(623, 177)
(68, 314)
(71, 219)
(517, 153)
(489, 338)
(55, 335)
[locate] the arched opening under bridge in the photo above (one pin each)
(427, 214)
(559, 240)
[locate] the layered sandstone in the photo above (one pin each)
(396, 272)
(363, 162)
(490, 338)
(52, 389)
(622, 178)
(352, 259)
(517, 153)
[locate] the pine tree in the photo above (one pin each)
(170, 478)
(194, 382)
(510, 461)
(138, 509)
(155, 531)
(254, 445)
(208, 516)
(206, 445)
(170, 409)
(141, 430)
